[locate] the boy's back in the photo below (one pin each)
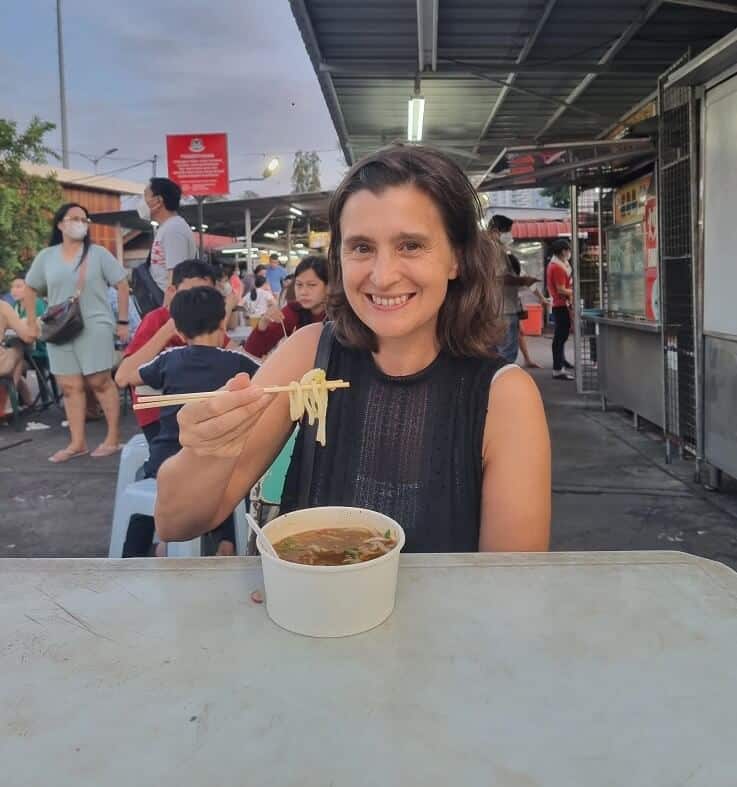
(191, 369)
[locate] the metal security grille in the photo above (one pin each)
(676, 198)
(593, 208)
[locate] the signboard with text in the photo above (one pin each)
(198, 163)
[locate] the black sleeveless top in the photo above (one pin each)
(408, 447)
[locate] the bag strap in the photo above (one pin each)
(322, 359)
(82, 268)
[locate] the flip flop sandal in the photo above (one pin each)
(105, 450)
(65, 455)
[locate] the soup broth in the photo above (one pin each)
(335, 546)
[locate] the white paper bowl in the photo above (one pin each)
(330, 601)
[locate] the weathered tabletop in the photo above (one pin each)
(563, 670)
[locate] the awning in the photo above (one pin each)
(594, 163)
(496, 73)
(541, 230)
(227, 217)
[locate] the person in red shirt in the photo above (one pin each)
(157, 333)
(560, 286)
(311, 292)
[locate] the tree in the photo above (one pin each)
(306, 172)
(560, 196)
(26, 201)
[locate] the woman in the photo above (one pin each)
(310, 290)
(11, 351)
(87, 359)
(430, 432)
(259, 299)
(560, 286)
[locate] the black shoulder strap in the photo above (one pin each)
(322, 359)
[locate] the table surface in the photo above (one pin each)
(563, 670)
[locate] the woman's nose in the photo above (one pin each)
(385, 271)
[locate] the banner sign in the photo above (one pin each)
(198, 163)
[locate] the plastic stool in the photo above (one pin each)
(138, 497)
(132, 457)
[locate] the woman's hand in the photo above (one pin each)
(220, 426)
(273, 314)
(123, 333)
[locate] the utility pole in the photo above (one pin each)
(153, 166)
(62, 90)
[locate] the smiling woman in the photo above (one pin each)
(435, 428)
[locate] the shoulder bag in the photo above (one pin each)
(63, 322)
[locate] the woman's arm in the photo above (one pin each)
(228, 443)
(11, 319)
(516, 492)
(29, 304)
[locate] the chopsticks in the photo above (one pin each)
(170, 400)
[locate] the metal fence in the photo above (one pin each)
(677, 179)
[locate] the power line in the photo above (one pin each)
(112, 171)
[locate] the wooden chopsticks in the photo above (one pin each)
(170, 400)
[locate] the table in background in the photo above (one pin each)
(240, 334)
(563, 670)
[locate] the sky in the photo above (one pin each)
(141, 69)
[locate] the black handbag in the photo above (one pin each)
(146, 292)
(63, 322)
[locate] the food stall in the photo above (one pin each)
(630, 348)
(713, 77)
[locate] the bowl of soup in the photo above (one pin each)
(336, 573)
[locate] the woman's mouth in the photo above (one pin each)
(389, 303)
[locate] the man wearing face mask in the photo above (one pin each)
(500, 230)
(173, 242)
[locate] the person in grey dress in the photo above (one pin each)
(86, 360)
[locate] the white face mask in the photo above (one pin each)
(76, 230)
(506, 238)
(143, 210)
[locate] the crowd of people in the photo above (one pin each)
(425, 309)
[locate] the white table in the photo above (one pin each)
(562, 670)
(240, 334)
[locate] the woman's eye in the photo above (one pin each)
(411, 245)
(361, 248)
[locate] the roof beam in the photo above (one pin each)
(427, 34)
(627, 35)
(524, 52)
(406, 69)
(706, 5)
(304, 23)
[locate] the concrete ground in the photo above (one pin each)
(611, 486)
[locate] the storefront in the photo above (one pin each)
(712, 80)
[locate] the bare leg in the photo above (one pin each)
(106, 391)
(72, 386)
(529, 363)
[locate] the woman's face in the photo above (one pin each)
(75, 223)
(310, 290)
(396, 260)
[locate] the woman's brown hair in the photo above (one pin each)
(468, 321)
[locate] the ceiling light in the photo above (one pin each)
(272, 235)
(295, 211)
(415, 115)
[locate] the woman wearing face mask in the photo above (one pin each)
(86, 360)
(310, 291)
(560, 287)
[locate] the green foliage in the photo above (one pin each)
(306, 172)
(559, 196)
(26, 201)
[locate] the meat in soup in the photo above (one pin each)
(335, 546)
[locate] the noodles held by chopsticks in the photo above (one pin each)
(310, 396)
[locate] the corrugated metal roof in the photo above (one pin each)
(508, 72)
(540, 230)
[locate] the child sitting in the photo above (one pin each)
(199, 316)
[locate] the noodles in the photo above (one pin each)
(336, 546)
(310, 396)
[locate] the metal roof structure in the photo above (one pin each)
(227, 217)
(496, 73)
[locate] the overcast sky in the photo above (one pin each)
(140, 69)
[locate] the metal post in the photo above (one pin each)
(249, 241)
(153, 165)
(601, 250)
(200, 223)
(290, 226)
(576, 265)
(62, 89)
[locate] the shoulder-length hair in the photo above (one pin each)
(56, 236)
(469, 321)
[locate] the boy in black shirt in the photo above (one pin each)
(202, 365)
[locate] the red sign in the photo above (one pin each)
(199, 163)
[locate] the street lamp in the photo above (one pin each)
(96, 159)
(270, 169)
